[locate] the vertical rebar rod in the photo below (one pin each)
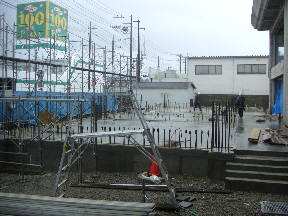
(196, 138)
(213, 125)
(222, 125)
(218, 126)
(190, 143)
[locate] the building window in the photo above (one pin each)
(208, 69)
(251, 69)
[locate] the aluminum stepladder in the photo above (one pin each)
(72, 152)
(156, 154)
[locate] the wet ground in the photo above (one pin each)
(187, 127)
(243, 130)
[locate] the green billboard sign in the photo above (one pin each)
(42, 19)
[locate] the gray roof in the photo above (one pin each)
(164, 85)
(265, 13)
(226, 57)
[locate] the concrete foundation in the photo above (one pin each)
(117, 158)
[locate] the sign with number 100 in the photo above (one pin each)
(42, 19)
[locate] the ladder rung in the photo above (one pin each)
(61, 183)
(61, 195)
(65, 167)
(69, 151)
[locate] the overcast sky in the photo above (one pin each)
(198, 27)
(194, 27)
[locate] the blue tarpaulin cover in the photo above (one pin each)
(28, 112)
(278, 102)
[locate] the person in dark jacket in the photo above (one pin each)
(240, 105)
(197, 101)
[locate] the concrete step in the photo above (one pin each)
(256, 167)
(246, 184)
(256, 159)
(261, 153)
(257, 175)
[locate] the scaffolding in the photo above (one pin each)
(59, 94)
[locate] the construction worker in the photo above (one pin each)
(197, 101)
(240, 104)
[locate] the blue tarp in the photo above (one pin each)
(28, 110)
(278, 97)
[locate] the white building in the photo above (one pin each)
(165, 94)
(170, 75)
(217, 77)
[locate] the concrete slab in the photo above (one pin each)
(243, 130)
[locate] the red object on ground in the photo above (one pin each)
(154, 169)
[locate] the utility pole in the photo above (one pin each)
(113, 53)
(127, 60)
(131, 40)
(104, 101)
(131, 57)
(90, 51)
(138, 54)
(82, 66)
(120, 83)
(138, 68)
(49, 71)
(158, 63)
(180, 56)
(6, 54)
(13, 64)
(89, 56)
(185, 65)
(3, 53)
(54, 56)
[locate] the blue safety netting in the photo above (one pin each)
(28, 111)
(278, 97)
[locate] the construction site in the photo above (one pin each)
(81, 135)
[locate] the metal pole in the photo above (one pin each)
(50, 65)
(89, 54)
(94, 109)
(82, 65)
(131, 41)
(6, 54)
(180, 56)
(212, 120)
(120, 83)
(138, 55)
(105, 82)
(13, 63)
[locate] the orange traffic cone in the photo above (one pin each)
(154, 169)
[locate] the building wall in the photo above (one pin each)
(156, 96)
(260, 101)
(229, 82)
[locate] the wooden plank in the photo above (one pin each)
(254, 136)
(266, 138)
(276, 140)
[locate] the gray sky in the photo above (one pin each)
(198, 27)
(194, 27)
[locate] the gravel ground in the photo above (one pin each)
(235, 203)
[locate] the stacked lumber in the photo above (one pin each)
(275, 136)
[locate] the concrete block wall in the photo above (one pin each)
(117, 158)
